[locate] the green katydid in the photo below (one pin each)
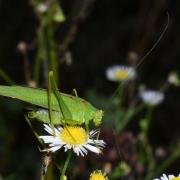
(68, 109)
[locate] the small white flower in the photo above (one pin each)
(42, 8)
(152, 97)
(120, 73)
(72, 137)
(169, 177)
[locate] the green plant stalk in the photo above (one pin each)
(149, 117)
(52, 50)
(132, 111)
(6, 78)
(150, 157)
(151, 162)
(42, 177)
(117, 92)
(39, 56)
(127, 117)
(66, 165)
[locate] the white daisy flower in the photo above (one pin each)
(169, 177)
(152, 97)
(72, 137)
(120, 73)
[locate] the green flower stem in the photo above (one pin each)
(42, 177)
(120, 94)
(66, 165)
(148, 116)
(122, 123)
(132, 111)
(40, 52)
(52, 50)
(6, 78)
(117, 91)
(150, 160)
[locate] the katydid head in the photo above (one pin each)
(31, 113)
(98, 117)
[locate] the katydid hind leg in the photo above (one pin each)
(49, 102)
(66, 114)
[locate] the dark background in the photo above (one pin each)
(106, 34)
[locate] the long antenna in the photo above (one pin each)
(139, 63)
(155, 44)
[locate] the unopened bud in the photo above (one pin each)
(42, 8)
(22, 47)
(173, 79)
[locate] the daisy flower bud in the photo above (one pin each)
(98, 175)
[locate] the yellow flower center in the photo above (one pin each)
(121, 74)
(98, 175)
(73, 135)
(176, 178)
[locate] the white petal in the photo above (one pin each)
(164, 177)
(47, 139)
(55, 148)
(171, 176)
(83, 149)
(48, 129)
(81, 152)
(76, 151)
(67, 147)
(92, 148)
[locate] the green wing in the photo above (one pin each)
(38, 97)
